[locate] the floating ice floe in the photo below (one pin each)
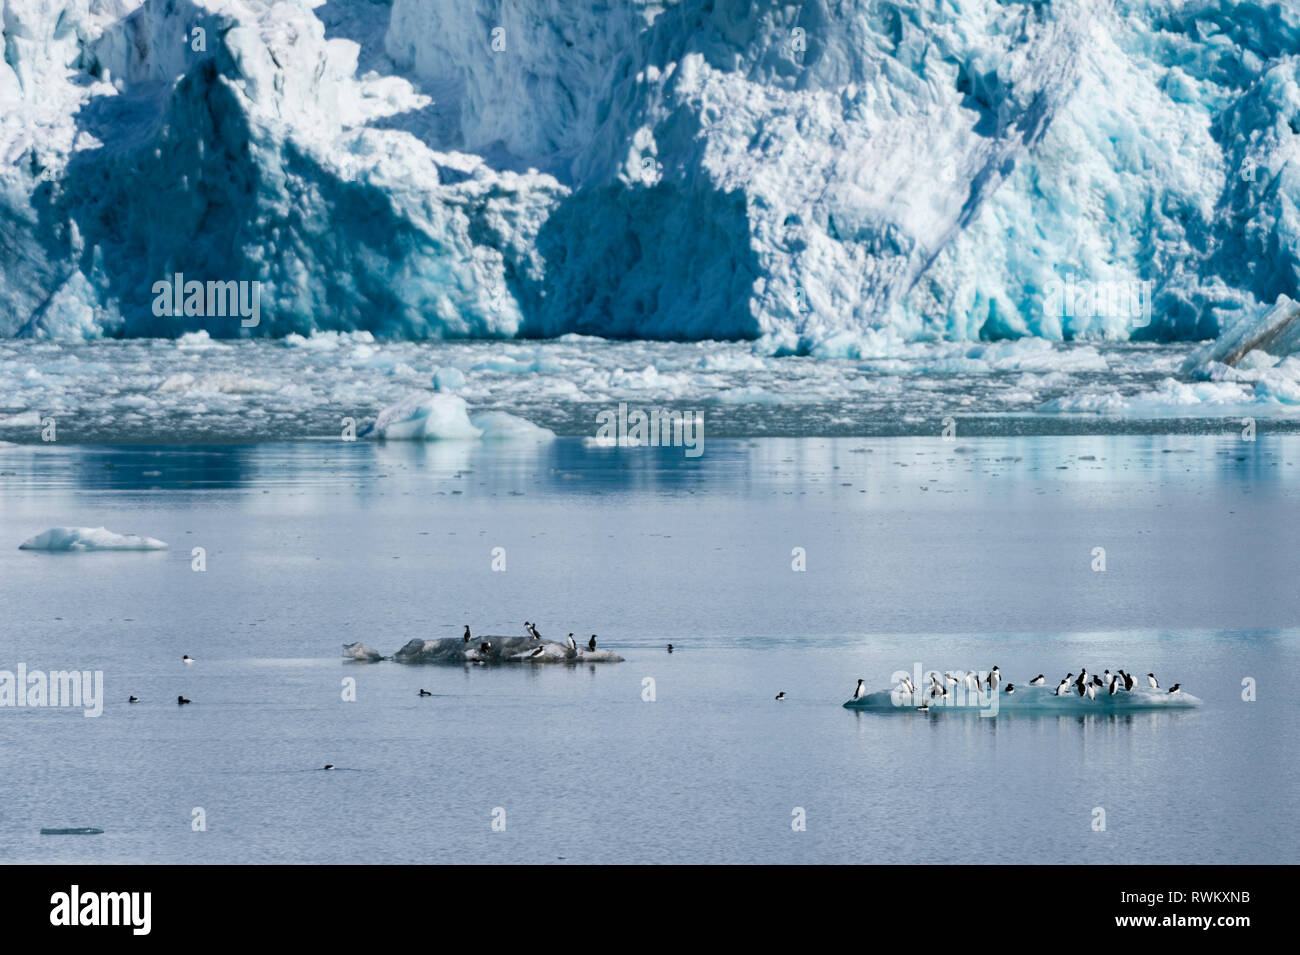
(87, 539)
(422, 416)
(361, 653)
(1026, 699)
(500, 650)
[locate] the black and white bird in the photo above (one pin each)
(1082, 681)
(1037, 681)
(533, 629)
(1175, 688)
(908, 685)
(537, 653)
(923, 708)
(1092, 691)
(187, 659)
(781, 695)
(181, 701)
(572, 645)
(1097, 681)
(424, 692)
(329, 765)
(670, 648)
(1152, 681)
(484, 647)
(1129, 682)
(1064, 685)
(950, 679)
(1106, 677)
(1011, 688)
(972, 681)
(860, 691)
(1114, 685)
(133, 699)
(993, 679)
(467, 636)
(591, 644)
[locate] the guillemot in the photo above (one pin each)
(467, 637)
(424, 692)
(591, 644)
(1011, 688)
(1037, 681)
(180, 700)
(860, 691)
(1175, 688)
(572, 645)
(1064, 685)
(187, 659)
(133, 699)
(993, 678)
(1151, 679)
(781, 695)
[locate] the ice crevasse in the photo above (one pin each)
(818, 177)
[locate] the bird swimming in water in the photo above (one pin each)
(424, 692)
(781, 695)
(1177, 687)
(467, 638)
(1037, 681)
(670, 648)
(572, 645)
(1011, 688)
(1154, 683)
(181, 701)
(133, 699)
(591, 644)
(923, 708)
(187, 659)
(329, 765)
(860, 691)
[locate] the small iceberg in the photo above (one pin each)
(361, 653)
(74, 831)
(65, 539)
(500, 650)
(1026, 699)
(439, 416)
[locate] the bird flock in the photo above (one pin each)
(1083, 685)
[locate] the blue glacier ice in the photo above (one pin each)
(823, 178)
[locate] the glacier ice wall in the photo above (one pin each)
(824, 177)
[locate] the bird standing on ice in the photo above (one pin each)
(993, 678)
(1092, 691)
(1176, 688)
(591, 644)
(908, 685)
(572, 645)
(1037, 681)
(1114, 685)
(860, 691)
(536, 653)
(1154, 683)
(1129, 682)
(467, 637)
(1065, 684)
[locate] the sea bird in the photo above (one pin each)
(1011, 688)
(467, 637)
(424, 692)
(133, 699)
(1154, 683)
(329, 765)
(537, 653)
(1065, 684)
(1175, 688)
(181, 701)
(860, 691)
(591, 644)
(572, 645)
(1114, 686)
(993, 678)
(1128, 680)
(781, 695)
(670, 648)
(187, 659)
(1037, 681)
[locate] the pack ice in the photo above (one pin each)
(821, 178)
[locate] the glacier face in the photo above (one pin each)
(824, 177)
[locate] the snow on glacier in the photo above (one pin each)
(833, 178)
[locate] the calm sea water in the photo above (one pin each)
(917, 551)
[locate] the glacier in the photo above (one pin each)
(837, 178)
